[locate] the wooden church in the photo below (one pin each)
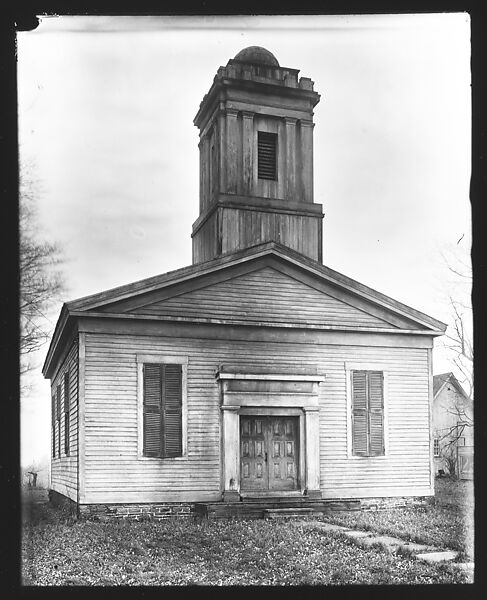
(257, 376)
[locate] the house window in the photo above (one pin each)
(66, 414)
(162, 410)
(367, 413)
(58, 417)
(266, 155)
(53, 424)
(436, 447)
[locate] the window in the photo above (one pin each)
(367, 413)
(58, 417)
(162, 410)
(266, 155)
(66, 414)
(53, 424)
(436, 447)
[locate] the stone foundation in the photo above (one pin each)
(381, 503)
(184, 510)
(137, 512)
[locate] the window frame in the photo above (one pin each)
(361, 366)
(66, 412)
(58, 415)
(436, 447)
(53, 424)
(161, 359)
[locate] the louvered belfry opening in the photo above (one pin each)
(267, 155)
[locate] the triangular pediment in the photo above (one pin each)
(262, 296)
(268, 285)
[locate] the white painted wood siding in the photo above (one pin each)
(265, 295)
(114, 473)
(64, 469)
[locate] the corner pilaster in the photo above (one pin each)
(231, 444)
(312, 432)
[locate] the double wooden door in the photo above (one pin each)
(268, 453)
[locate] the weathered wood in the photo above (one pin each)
(64, 465)
(273, 506)
(264, 295)
(107, 441)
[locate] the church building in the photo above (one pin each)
(256, 377)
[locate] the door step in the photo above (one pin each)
(281, 513)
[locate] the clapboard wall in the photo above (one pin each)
(64, 468)
(264, 296)
(113, 472)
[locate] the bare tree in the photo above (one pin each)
(41, 282)
(458, 339)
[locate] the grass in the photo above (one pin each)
(57, 550)
(447, 524)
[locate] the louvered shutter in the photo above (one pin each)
(359, 413)
(376, 412)
(266, 155)
(66, 413)
(152, 410)
(172, 410)
(53, 424)
(58, 417)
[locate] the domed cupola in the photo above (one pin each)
(256, 159)
(257, 55)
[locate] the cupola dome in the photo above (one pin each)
(257, 56)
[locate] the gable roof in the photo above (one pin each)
(440, 381)
(154, 291)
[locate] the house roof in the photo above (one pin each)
(440, 381)
(108, 303)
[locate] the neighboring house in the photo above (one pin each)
(452, 427)
(257, 372)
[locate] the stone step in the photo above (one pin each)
(279, 513)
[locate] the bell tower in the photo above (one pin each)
(256, 159)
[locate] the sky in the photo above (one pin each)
(106, 108)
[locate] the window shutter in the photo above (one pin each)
(58, 417)
(172, 410)
(53, 424)
(152, 410)
(359, 413)
(376, 412)
(66, 413)
(266, 155)
(58, 402)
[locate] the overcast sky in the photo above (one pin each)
(106, 108)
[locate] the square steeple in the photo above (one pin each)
(256, 159)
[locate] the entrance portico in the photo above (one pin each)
(270, 426)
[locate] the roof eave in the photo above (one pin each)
(58, 331)
(427, 324)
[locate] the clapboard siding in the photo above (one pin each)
(265, 295)
(114, 472)
(64, 469)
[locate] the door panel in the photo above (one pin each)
(268, 453)
(253, 454)
(283, 472)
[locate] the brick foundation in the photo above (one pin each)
(137, 512)
(184, 510)
(381, 503)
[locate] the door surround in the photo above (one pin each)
(260, 391)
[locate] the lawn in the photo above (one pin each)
(447, 524)
(57, 550)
